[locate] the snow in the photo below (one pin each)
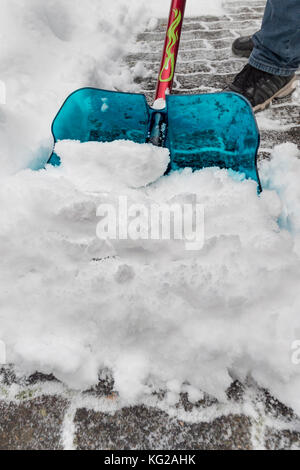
(160, 8)
(114, 164)
(51, 49)
(152, 312)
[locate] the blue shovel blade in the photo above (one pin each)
(217, 129)
(91, 114)
(203, 130)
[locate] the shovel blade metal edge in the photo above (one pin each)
(202, 130)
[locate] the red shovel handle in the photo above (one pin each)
(171, 47)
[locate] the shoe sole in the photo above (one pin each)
(287, 90)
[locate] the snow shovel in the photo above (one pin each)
(206, 130)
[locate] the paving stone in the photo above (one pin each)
(271, 138)
(105, 388)
(245, 16)
(233, 25)
(285, 114)
(236, 392)
(282, 440)
(196, 67)
(142, 428)
(275, 409)
(34, 424)
(7, 376)
(192, 29)
(196, 81)
(38, 378)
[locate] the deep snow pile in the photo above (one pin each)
(154, 313)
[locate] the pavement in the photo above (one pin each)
(40, 413)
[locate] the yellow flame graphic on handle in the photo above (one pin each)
(173, 38)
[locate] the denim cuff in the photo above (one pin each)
(258, 64)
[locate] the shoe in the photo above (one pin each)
(260, 88)
(243, 46)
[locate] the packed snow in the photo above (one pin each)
(154, 313)
(158, 8)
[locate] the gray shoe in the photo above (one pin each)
(243, 46)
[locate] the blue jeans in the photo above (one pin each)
(277, 44)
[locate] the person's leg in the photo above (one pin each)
(275, 58)
(277, 44)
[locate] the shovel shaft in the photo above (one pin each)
(171, 47)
